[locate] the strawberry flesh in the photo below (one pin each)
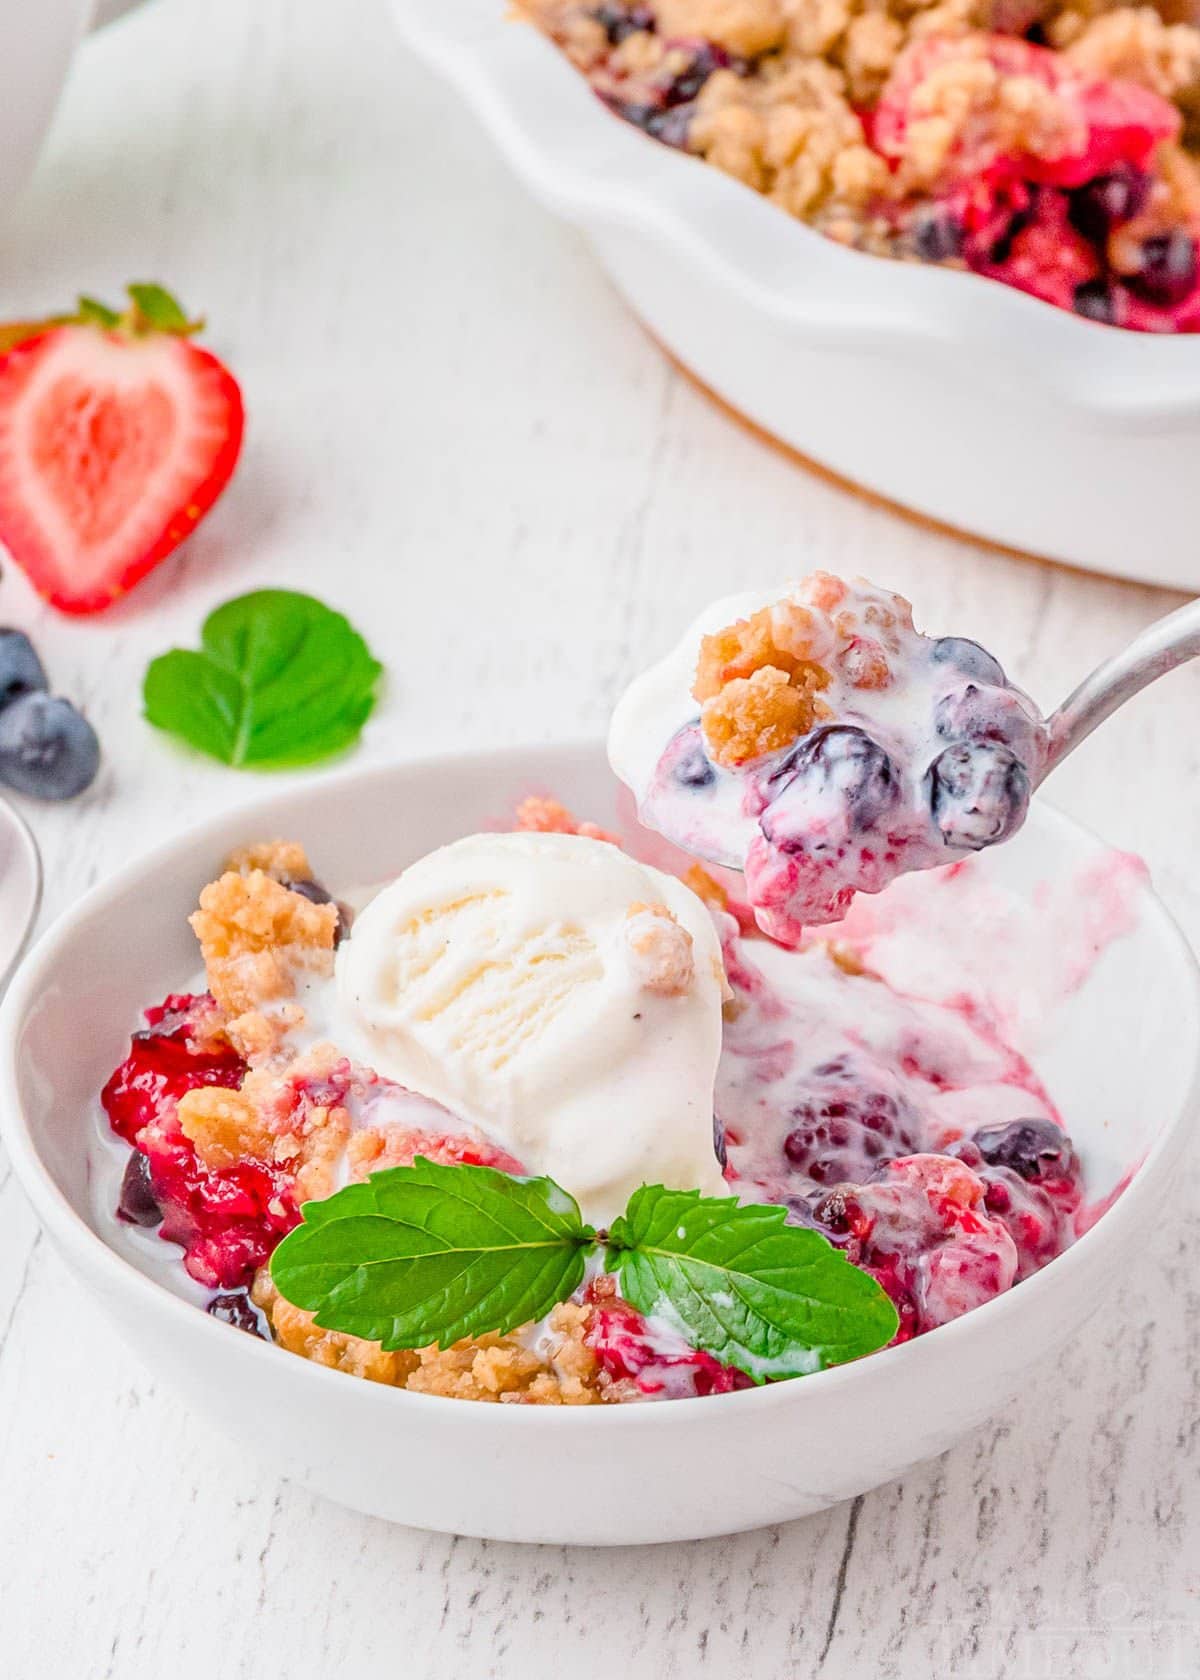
(112, 449)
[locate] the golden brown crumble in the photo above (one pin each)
(754, 716)
(262, 1121)
(561, 1371)
(1136, 43)
(255, 936)
(282, 860)
(294, 1330)
(539, 815)
(759, 681)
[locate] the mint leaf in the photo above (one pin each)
(774, 1299)
(280, 680)
(157, 308)
(430, 1253)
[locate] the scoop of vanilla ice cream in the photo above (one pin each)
(562, 996)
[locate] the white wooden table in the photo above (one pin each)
(458, 435)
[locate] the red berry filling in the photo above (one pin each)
(168, 1058)
(660, 1364)
(924, 1230)
(227, 1221)
(1041, 218)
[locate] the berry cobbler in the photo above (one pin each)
(1048, 144)
(537, 1000)
(834, 747)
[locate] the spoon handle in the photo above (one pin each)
(1166, 643)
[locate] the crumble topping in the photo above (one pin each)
(561, 1371)
(256, 935)
(759, 682)
(277, 1117)
(539, 815)
(282, 860)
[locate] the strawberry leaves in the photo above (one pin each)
(280, 680)
(430, 1253)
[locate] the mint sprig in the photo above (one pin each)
(432, 1253)
(279, 680)
(774, 1299)
(426, 1254)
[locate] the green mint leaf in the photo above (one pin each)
(280, 680)
(92, 310)
(158, 309)
(430, 1253)
(774, 1299)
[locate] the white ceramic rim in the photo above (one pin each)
(600, 172)
(12, 819)
(91, 1255)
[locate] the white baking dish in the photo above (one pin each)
(958, 397)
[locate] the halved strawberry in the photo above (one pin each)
(117, 434)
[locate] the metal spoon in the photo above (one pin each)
(1166, 643)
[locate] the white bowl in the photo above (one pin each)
(609, 1475)
(20, 886)
(950, 394)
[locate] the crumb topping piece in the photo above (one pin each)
(282, 860)
(759, 681)
(560, 1370)
(255, 936)
(539, 815)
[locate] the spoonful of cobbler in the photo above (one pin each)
(817, 741)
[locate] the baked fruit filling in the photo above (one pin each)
(1047, 146)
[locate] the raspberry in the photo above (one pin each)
(227, 1221)
(924, 1231)
(661, 1365)
(164, 1062)
(1112, 122)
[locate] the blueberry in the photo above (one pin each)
(972, 713)
(47, 748)
(978, 792)
(937, 235)
(1097, 300)
(1167, 271)
(1033, 1148)
(20, 668)
(687, 84)
(235, 1307)
(671, 126)
(841, 762)
(138, 1205)
(618, 22)
(1103, 204)
(969, 658)
(693, 769)
(719, 1142)
(315, 893)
